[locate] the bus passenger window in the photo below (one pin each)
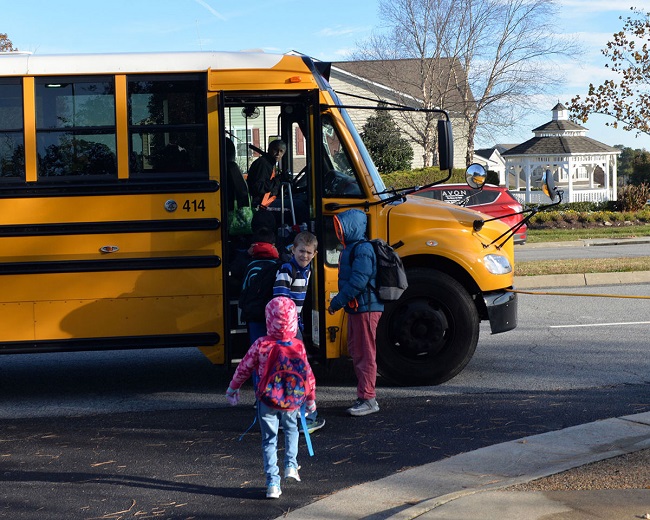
(75, 127)
(12, 149)
(167, 125)
(339, 179)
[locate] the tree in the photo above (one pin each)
(481, 60)
(627, 99)
(389, 150)
(641, 168)
(5, 43)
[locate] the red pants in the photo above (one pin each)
(362, 332)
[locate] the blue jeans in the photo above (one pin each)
(256, 329)
(270, 420)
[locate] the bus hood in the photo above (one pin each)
(448, 231)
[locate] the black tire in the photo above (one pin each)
(429, 335)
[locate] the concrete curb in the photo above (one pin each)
(552, 281)
(416, 492)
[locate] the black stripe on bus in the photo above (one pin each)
(118, 264)
(118, 187)
(112, 343)
(97, 228)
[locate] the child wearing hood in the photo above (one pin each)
(357, 274)
(281, 325)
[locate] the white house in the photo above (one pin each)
(398, 81)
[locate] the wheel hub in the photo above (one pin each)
(422, 330)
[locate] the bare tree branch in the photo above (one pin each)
(481, 60)
(627, 99)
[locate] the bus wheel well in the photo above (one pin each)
(455, 271)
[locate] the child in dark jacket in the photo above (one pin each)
(357, 274)
(261, 254)
(281, 324)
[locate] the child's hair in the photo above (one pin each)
(305, 238)
(264, 234)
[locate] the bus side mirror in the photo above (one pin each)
(548, 185)
(445, 145)
(475, 175)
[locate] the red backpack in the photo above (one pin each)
(284, 385)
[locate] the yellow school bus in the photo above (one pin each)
(114, 229)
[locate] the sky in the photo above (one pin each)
(328, 32)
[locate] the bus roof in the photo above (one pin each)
(21, 64)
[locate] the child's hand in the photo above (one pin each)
(310, 407)
(232, 396)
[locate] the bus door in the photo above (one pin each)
(340, 187)
(251, 121)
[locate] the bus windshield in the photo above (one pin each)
(380, 187)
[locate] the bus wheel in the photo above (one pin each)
(429, 335)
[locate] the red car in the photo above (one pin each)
(494, 201)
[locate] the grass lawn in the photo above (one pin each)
(582, 265)
(559, 235)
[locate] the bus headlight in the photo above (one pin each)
(497, 264)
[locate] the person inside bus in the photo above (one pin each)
(264, 185)
(264, 175)
(238, 188)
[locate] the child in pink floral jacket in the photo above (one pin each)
(281, 325)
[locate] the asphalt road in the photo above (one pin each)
(193, 463)
(147, 434)
(621, 248)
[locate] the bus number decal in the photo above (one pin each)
(194, 205)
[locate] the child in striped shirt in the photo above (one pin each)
(292, 279)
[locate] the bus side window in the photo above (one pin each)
(167, 125)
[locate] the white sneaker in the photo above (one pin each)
(291, 472)
(363, 407)
(273, 492)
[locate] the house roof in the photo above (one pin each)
(404, 77)
(560, 145)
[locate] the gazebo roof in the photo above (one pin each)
(560, 137)
(559, 126)
(560, 145)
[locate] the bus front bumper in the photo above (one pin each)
(502, 310)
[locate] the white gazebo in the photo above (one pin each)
(583, 167)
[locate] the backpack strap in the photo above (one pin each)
(303, 414)
(371, 287)
(253, 423)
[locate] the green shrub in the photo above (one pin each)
(643, 215)
(492, 178)
(388, 149)
(421, 176)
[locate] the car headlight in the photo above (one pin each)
(497, 264)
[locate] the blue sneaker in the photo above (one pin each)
(312, 425)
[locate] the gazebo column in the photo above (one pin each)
(528, 173)
(570, 179)
(614, 185)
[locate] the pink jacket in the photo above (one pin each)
(281, 324)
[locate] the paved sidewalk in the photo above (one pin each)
(468, 485)
(473, 485)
